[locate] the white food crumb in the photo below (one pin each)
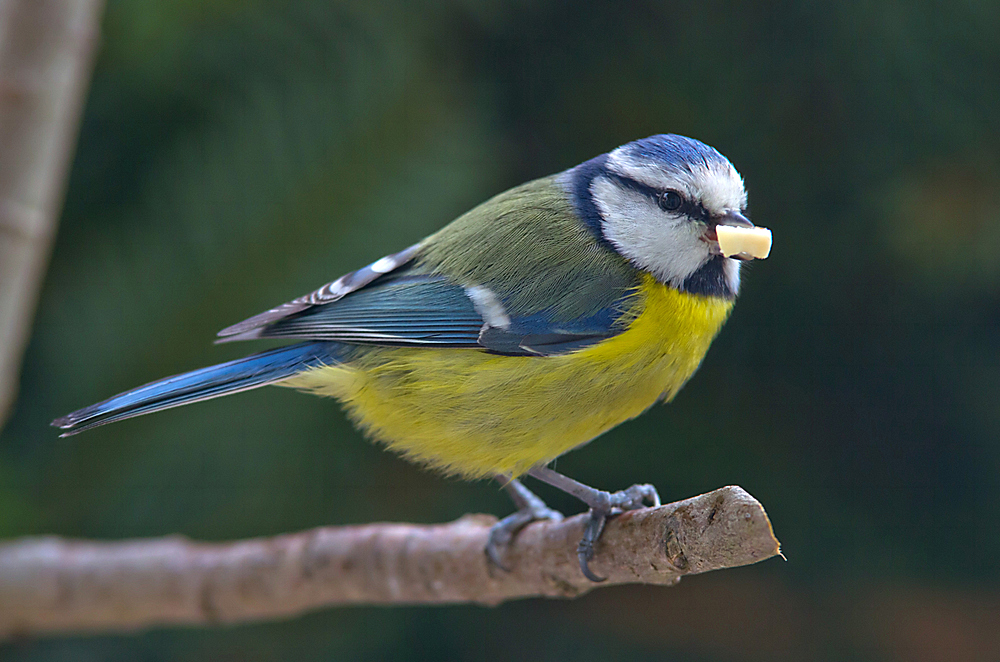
(755, 242)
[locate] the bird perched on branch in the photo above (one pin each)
(522, 330)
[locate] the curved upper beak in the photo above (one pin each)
(733, 218)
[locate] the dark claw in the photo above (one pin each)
(585, 550)
(584, 554)
(632, 498)
(602, 505)
(498, 543)
(502, 533)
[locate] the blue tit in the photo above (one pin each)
(522, 330)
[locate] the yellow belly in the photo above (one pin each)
(468, 412)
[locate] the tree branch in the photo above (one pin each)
(55, 585)
(46, 49)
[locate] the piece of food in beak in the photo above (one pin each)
(754, 242)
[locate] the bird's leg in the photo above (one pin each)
(529, 509)
(602, 505)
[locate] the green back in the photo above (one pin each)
(529, 246)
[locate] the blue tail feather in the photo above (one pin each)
(231, 377)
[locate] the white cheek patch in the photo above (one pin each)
(670, 247)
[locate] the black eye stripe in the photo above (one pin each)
(689, 208)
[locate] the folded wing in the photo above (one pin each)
(401, 308)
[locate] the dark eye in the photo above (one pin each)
(669, 200)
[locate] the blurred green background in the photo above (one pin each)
(236, 154)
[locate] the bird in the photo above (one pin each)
(522, 330)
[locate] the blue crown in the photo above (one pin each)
(675, 151)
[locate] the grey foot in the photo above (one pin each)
(602, 506)
(529, 509)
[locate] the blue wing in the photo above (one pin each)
(417, 310)
(401, 308)
(329, 293)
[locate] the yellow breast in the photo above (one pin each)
(468, 412)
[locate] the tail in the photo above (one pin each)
(211, 382)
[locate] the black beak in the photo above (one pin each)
(733, 218)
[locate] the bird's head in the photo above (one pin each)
(657, 202)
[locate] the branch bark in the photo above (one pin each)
(46, 49)
(50, 585)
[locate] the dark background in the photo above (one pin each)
(236, 154)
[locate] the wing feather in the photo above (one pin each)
(427, 310)
(329, 293)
